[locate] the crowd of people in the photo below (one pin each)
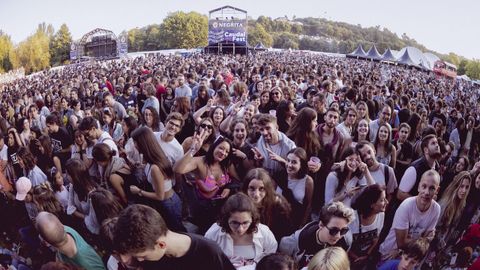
(278, 160)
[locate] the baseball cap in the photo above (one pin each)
(23, 186)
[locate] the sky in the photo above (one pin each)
(442, 26)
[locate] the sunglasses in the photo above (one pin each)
(334, 231)
(204, 126)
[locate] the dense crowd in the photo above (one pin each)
(278, 160)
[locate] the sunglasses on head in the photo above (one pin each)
(334, 231)
(204, 126)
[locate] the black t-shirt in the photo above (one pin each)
(13, 159)
(61, 140)
(308, 245)
(203, 254)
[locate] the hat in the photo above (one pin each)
(23, 186)
(311, 89)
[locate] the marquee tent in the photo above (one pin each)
(373, 53)
(358, 53)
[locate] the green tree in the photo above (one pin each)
(136, 39)
(60, 46)
(462, 67)
(33, 54)
(453, 58)
(184, 30)
(285, 40)
(259, 34)
(6, 53)
(473, 69)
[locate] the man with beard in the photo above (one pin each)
(411, 179)
(128, 100)
(332, 142)
(383, 118)
(272, 146)
(381, 174)
(182, 90)
(416, 217)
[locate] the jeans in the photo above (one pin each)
(171, 211)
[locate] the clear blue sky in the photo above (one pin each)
(443, 26)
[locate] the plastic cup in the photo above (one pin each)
(273, 113)
(315, 160)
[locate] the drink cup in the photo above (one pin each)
(315, 160)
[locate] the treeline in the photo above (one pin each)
(190, 30)
(43, 49)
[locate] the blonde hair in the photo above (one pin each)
(452, 206)
(331, 258)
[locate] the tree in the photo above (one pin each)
(60, 46)
(33, 54)
(453, 58)
(259, 35)
(462, 67)
(184, 30)
(6, 52)
(136, 39)
(473, 69)
(285, 40)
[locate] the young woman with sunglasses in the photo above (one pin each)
(317, 235)
(240, 234)
(205, 126)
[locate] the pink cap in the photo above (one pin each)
(23, 186)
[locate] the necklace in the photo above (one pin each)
(318, 239)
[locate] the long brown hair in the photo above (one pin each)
(300, 131)
(148, 145)
(270, 200)
(452, 206)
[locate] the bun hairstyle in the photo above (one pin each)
(102, 152)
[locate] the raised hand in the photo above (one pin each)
(257, 156)
(273, 156)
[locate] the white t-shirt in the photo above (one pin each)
(369, 232)
(408, 179)
(379, 178)
(332, 184)
(172, 149)
(409, 218)
(4, 153)
(346, 132)
(108, 140)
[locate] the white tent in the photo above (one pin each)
(416, 56)
(431, 58)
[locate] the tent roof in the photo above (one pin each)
(405, 59)
(389, 56)
(416, 56)
(227, 7)
(373, 53)
(260, 46)
(431, 58)
(359, 51)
